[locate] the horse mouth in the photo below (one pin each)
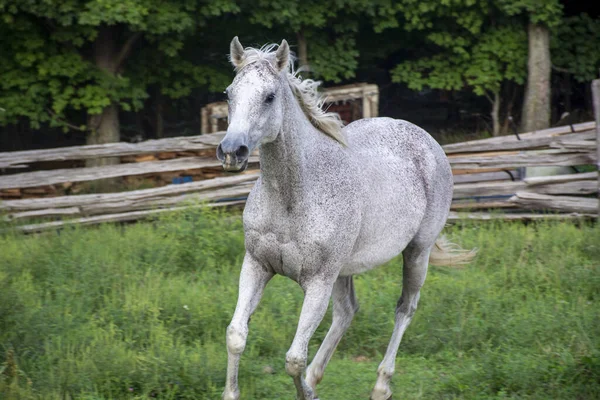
(231, 164)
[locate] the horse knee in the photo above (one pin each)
(236, 340)
(295, 364)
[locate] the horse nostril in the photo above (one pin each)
(242, 153)
(220, 154)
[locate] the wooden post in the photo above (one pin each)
(366, 107)
(596, 97)
(204, 116)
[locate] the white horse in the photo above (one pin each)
(330, 203)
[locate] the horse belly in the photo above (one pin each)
(391, 219)
(377, 250)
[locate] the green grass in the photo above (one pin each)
(140, 311)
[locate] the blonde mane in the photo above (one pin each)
(305, 90)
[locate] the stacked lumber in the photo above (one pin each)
(121, 217)
(486, 174)
(128, 206)
(110, 203)
(37, 179)
(498, 162)
(203, 145)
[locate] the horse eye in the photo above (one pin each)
(270, 98)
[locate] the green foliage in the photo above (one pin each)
(328, 27)
(295, 14)
(333, 60)
(49, 68)
(140, 311)
(469, 45)
(576, 47)
(546, 12)
(498, 55)
(438, 72)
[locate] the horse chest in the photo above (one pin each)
(275, 250)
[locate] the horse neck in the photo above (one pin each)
(284, 160)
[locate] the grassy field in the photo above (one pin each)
(140, 311)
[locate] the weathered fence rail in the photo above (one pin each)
(178, 146)
(486, 175)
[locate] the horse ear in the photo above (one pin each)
(236, 52)
(283, 55)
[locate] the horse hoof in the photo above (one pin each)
(381, 395)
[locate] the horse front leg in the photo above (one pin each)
(316, 300)
(253, 279)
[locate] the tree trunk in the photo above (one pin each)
(536, 105)
(104, 127)
(302, 51)
(496, 113)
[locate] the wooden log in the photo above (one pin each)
(558, 203)
(577, 184)
(524, 159)
(574, 145)
(484, 216)
(479, 205)
(487, 176)
(52, 177)
(236, 192)
(83, 200)
(543, 180)
(17, 159)
(241, 190)
(498, 188)
(50, 212)
(122, 217)
(473, 171)
(511, 142)
(570, 188)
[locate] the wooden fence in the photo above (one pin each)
(487, 177)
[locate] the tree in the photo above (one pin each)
(541, 16)
(324, 32)
(468, 45)
(64, 57)
(497, 57)
(575, 49)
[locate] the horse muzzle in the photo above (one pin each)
(233, 157)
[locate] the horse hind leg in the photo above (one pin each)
(345, 307)
(414, 272)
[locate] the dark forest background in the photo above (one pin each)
(77, 71)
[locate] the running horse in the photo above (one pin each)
(331, 202)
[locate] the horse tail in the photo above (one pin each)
(446, 253)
